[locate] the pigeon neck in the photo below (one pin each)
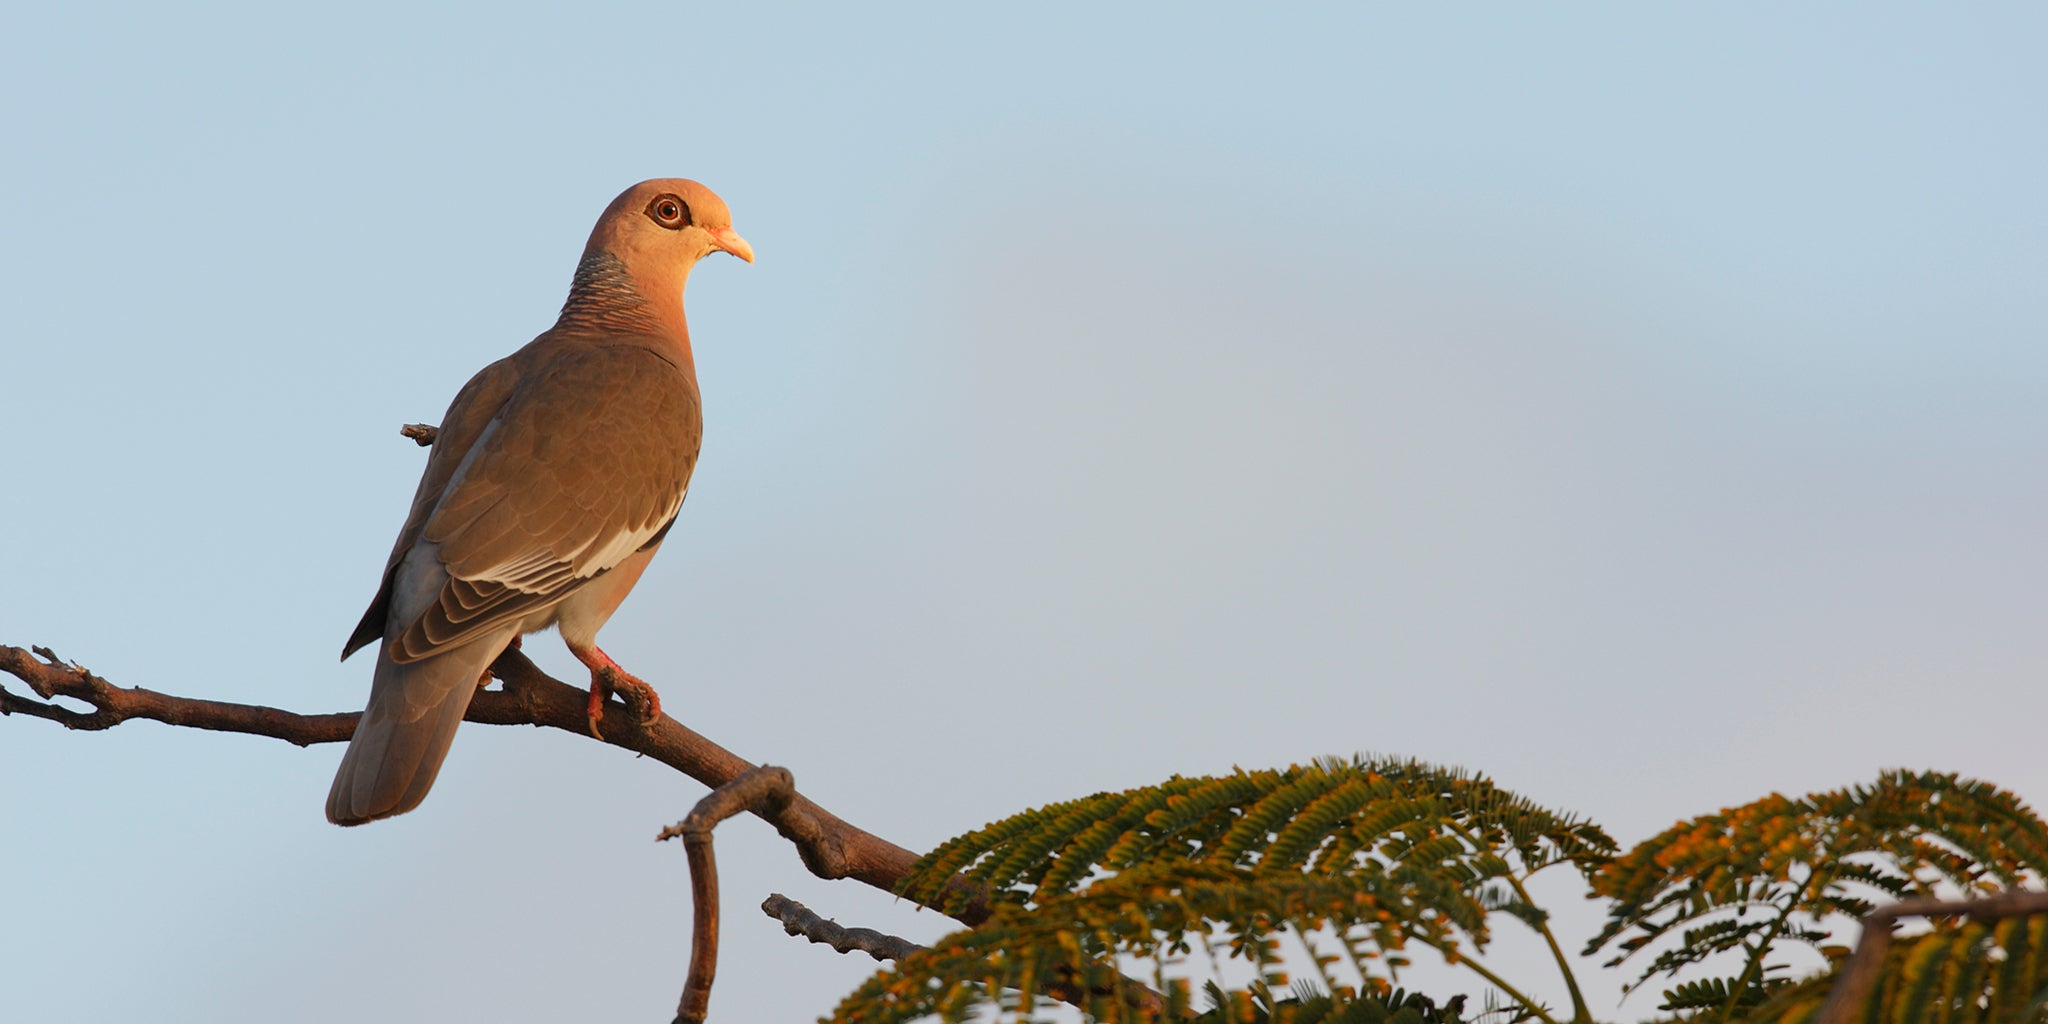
(603, 298)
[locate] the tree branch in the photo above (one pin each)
(829, 846)
(798, 919)
(767, 792)
(1845, 1001)
(802, 921)
(51, 677)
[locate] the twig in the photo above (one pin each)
(422, 434)
(1846, 999)
(767, 792)
(798, 919)
(829, 846)
(51, 677)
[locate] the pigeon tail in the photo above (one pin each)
(405, 732)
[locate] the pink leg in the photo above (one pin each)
(607, 677)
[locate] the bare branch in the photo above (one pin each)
(51, 677)
(830, 847)
(798, 919)
(1846, 1000)
(422, 434)
(766, 791)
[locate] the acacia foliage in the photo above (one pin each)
(1357, 861)
(1746, 884)
(1382, 852)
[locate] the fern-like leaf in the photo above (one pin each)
(1383, 852)
(1784, 872)
(1330, 817)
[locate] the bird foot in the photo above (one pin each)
(640, 698)
(607, 678)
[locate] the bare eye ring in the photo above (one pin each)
(669, 211)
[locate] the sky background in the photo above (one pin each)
(1645, 407)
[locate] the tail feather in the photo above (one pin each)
(405, 732)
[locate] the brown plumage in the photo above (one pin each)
(556, 474)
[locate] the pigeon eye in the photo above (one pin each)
(669, 212)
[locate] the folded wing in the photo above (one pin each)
(582, 466)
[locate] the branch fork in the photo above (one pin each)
(766, 791)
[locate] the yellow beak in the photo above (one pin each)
(732, 243)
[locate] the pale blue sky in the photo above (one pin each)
(1645, 407)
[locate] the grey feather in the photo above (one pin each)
(414, 707)
(407, 728)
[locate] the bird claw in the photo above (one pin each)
(600, 688)
(646, 704)
(639, 697)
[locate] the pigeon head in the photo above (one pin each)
(667, 221)
(641, 251)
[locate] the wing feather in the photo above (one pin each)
(585, 463)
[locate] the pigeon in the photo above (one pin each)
(554, 476)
